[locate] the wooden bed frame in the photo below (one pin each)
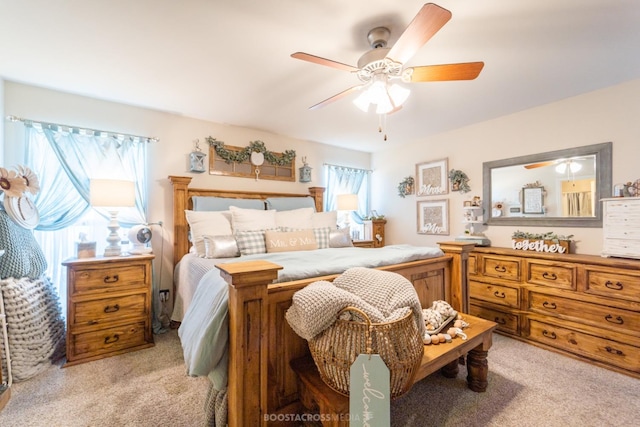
(262, 385)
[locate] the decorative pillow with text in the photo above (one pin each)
(288, 241)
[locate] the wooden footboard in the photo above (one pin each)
(262, 386)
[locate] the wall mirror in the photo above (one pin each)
(559, 188)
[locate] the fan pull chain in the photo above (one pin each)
(381, 125)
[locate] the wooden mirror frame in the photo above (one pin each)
(603, 154)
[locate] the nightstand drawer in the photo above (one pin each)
(501, 267)
(104, 279)
(96, 312)
(109, 340)
(496, 294)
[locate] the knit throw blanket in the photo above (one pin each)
(384, 296)
(35, 326)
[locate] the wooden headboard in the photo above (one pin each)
(182, 201)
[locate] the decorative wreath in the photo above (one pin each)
(459, 181)
(254, 147)
(406, 186)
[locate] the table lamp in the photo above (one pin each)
(112, 194)
(347, 202)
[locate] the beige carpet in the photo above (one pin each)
(528, 387)
(142, 388)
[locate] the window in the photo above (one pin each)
(65, 160)
(346, 180)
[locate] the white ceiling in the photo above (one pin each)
(228, 61)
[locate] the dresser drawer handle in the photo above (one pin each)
(111, 308)
(549, 276)
(500, 320)
(548, 334)
(500, 268)
(614, 351)
(551, 305)
(111, 279)
(616, 287)
(111, 340)
(618, 320)
(499, 294)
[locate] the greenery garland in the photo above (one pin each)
(254, 147)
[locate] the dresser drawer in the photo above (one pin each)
(472, 264)
(613, 284)
(507, 322)
(108, 340)
(501, 267)
(101, 311)
(107, 278)
(621, 208)
(598, 315)
(598, 348)
(554, 275)
(496, 294)
(621, 247)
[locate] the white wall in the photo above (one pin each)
(610, 114)
(167, 157)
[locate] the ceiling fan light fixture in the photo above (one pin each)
(385, 97)
(398, 94)
(572, 165)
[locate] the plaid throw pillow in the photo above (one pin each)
(251, 242)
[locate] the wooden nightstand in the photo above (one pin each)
(364, 243)
(108, 306)
(378, 232)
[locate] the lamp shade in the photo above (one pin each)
(112, 193)
(347, 202)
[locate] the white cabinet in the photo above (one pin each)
(621, 227)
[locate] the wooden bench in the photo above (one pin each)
(318, 397)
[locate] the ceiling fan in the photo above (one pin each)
(382, 65)
(566, 162)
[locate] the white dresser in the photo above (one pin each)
(621, 227)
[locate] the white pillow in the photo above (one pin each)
(340, 238)
(325, 219)
(295, 218)
(212, 223)
(252, 219)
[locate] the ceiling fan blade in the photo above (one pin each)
(539, 165)
(426, 23)
(444, 72)
(323, 61)
(336, 97)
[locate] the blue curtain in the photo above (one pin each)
(70, 160)
(345, 180)
(65, 160)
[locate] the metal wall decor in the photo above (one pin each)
(197, 159)
(305, 171)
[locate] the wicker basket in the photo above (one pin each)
(398, 343)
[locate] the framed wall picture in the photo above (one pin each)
(432, 178)
(532, 200)
(433, 217)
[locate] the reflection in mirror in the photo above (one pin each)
(561, 188)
